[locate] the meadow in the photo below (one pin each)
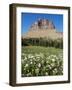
(41, 61)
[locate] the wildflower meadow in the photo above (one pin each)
(41, 61)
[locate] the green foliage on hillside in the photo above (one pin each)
(58, 43)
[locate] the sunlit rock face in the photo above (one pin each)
(42, 24)
(43, 28)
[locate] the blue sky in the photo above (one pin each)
(27, 19)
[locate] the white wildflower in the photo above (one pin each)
(46, 73)
(42, 61)
(39, 65)
(25, 58)
(52, 64)
(38, 57)
(31, 62)
(49, 66)
(47, 62)
(30, 56)
(26, 65)
(53, 60)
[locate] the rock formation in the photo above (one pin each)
(43, 28)
(43, 24)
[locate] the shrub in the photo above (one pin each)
(58, 43)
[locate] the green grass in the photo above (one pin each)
(41, 61)
(38, 49)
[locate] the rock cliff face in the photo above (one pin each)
(43, 28)
(42, 24)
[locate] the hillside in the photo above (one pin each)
(43, 28)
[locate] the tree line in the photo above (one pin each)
(57, 43)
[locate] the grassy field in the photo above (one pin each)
(41, 61)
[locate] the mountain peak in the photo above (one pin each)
(42, 24)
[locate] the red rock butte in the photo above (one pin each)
(43, 28)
